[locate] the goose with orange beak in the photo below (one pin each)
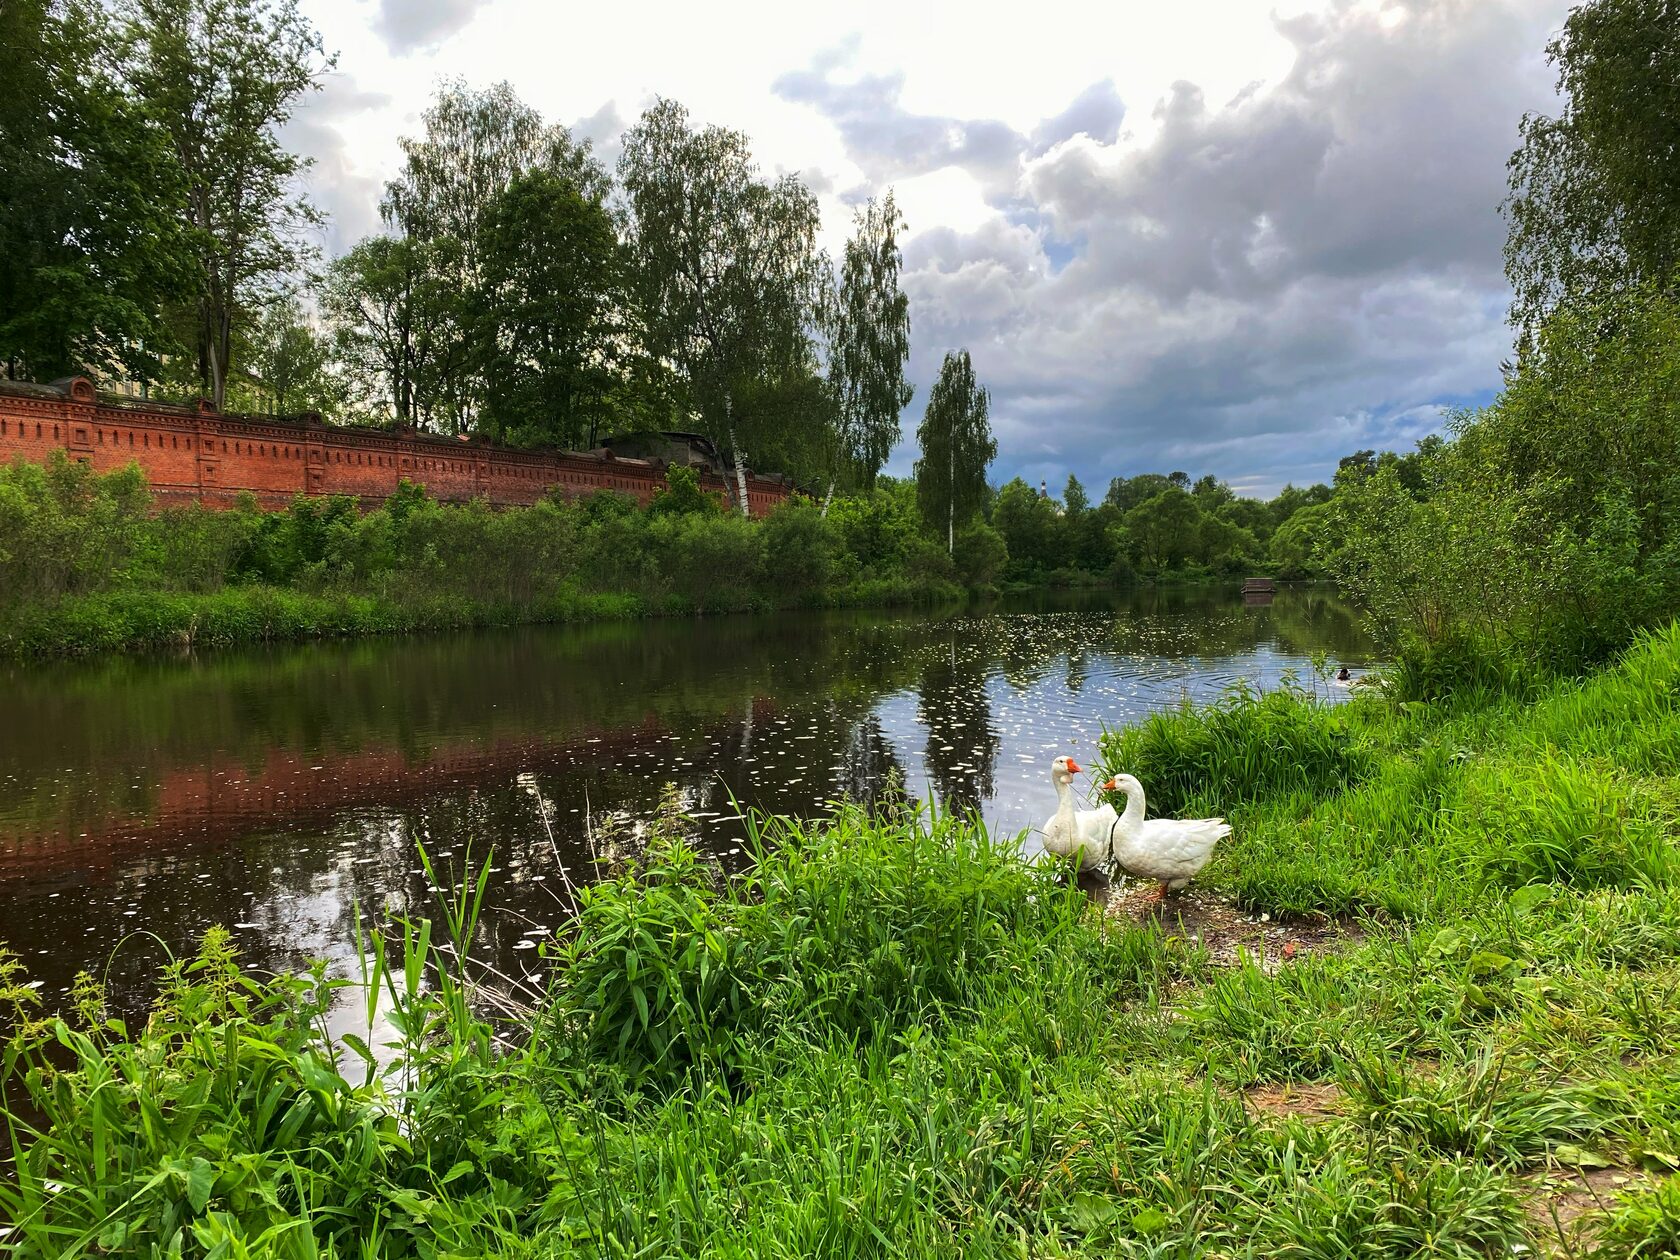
(1076, 834)
(1170, 851)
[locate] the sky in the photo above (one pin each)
(1222, 236)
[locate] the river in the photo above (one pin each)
(276, 791)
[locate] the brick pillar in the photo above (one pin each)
(207, 447)
(315, 464)
(80, 417)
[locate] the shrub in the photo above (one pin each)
(799, 549)
(981, 555)
(851, 929)
(1246, 746)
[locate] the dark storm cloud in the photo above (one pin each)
(349, 197)
(409, 25)
(1260, 287)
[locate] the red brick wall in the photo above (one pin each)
(201, 455)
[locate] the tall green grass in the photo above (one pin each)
(1247, 745)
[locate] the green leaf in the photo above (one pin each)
(201, 1180)
(1486, 962)
(115, 1234)
(1149, 1221)
(1447, 942)
(1530, 898)
(360, 1048)
(461, 1169)
(1579, 1157)
(1090, 1212)
(1659, 1161)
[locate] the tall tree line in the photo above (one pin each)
(154, 229)
(148, 210)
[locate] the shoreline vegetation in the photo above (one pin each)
(892, 1036)
(88, 566)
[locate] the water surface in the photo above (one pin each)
(274, 791)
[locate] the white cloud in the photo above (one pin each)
(408, 25)
(1219, 235)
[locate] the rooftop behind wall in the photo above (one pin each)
(197, 454)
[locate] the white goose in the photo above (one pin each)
(1071, 831)
(1169, 851)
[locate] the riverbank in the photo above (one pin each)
(1455, 1032)
(142, 621)
(90, 567)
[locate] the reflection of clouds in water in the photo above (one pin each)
(303, 800)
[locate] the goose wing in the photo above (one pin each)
(1170, 848)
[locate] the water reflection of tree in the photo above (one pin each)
(1212, 622)
(953, 704)
(870, 772)
(1077, 668)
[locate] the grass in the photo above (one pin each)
(139, 621)
(894, 1038)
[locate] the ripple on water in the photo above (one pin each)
(281, 791)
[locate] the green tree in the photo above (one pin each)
(222, 78)
(394, 326)
(1223, 546)
(1211, 494)
(870, 343)
(91, 244)
(1125, 493)
(1163, 530)
(1594, 202)
(452, 184)
(291, 364)
(957, 447)
(1294, 550)
(1074, 499)
(980, 555)
(551, 301)
(1032, 531)
(727, 272)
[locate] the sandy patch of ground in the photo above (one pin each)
(1563, 1204)
(1308, 1101)
(1226, 932)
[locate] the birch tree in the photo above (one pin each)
(957, 447)
(477, 143)
(726, 267)
(870, 344)
(222, 78)
(1594, 191)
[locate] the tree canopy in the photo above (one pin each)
(870, 342)
(727, 274)
(1594, 203)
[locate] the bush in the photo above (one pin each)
(860, 927)
(65, 530)
(1246, 746)
(981, 556)
(799, 549)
